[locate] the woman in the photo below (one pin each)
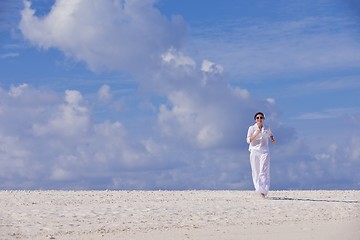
(257, 138)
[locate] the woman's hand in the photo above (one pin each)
(253, 137)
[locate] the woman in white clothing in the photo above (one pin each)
(257, 138)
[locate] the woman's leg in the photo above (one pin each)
(264, 173)
(255, 168)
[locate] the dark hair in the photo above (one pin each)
(258, 114)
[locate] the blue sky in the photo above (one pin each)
(159, 94)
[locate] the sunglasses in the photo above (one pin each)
(259, 117)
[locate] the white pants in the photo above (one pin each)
(260, 166)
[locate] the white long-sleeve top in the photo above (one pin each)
(261, 142)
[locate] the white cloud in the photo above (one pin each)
(70, 118)
(190, 121)
(210, 67)
(353, 150)
(57, 141)
(204, 146)
(9, 55)
(16, 91)
(271, 101)
(123, 35)
(104, 93)
(314, 116)
(259, 49)
(322, 156)
(187, 119)
(177, 58)
(13, 157)
(60, 174)
(206, 113)
(329, 114)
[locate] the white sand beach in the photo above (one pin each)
(178, 215)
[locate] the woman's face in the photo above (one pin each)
(259, 118)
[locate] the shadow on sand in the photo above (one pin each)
(312, 200)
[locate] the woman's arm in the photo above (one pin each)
(251, 135)
(272, 139)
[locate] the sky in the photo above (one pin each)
(159, 94)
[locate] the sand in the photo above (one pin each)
(176, 215)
